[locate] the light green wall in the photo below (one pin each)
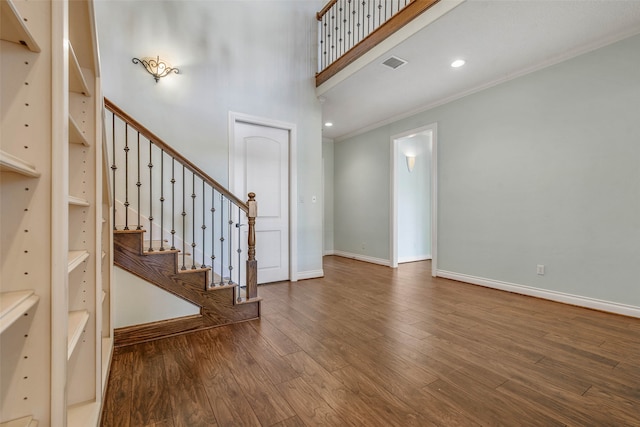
(543, 169)
(327, 161)
(361, 194)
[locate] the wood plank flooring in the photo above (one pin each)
(372, 346)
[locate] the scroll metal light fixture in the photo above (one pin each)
(156, 67)
(411, 162)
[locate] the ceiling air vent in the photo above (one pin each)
(394, 62)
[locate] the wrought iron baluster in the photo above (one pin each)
(150, 198)
(193, 221)
(173, 204)
(138, 184)
(356, 18)
(184, 234)
(126, 176)
(238, 225)
(113, 165)
(162, 199)
(339, 51)
(230, 222)
(324, 42)
(331, 42)
(362, 20)
(213, 254)
(345, 40)
(204, 227)
(350, 25)
(368, 17)
(221, 239)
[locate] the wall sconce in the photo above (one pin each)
(156, 67)
(411, 162)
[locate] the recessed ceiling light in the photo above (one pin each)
(458, 63)
(328, 124)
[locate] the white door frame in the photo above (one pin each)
(293, 181)
(393, 226)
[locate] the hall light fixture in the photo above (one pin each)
(411, 162)
(458, 63)
(156, 67)
(328, 124)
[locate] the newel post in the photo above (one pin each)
(252, 264)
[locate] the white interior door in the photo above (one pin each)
(261, 165)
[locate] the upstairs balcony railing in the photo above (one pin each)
(349, 28)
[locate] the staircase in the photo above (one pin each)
(219, 305)
(179, 230)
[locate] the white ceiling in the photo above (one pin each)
(499, 39)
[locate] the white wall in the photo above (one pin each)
(127, 309)
(414, 199)
(542, 169)
(252, 57)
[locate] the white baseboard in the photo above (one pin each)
(329, 252)
(311, 274)
(581, 301)
(364, 258)
(414, 258)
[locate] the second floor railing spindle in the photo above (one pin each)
(343, 24)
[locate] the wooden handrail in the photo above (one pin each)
(169, 150)
(324, 10)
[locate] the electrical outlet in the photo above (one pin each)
(540, 270)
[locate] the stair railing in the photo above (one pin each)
(163, 193)
(347, 29)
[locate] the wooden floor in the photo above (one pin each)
(373, 346)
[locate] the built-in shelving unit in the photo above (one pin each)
(77, 82)
(76, 201)
(9, 163)
(75, 258)
(76, 323)
(13, 27)
(21, 422)
(83, 414)
(14, 305)
(56, 250)
(75, 134)
(25, 194)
